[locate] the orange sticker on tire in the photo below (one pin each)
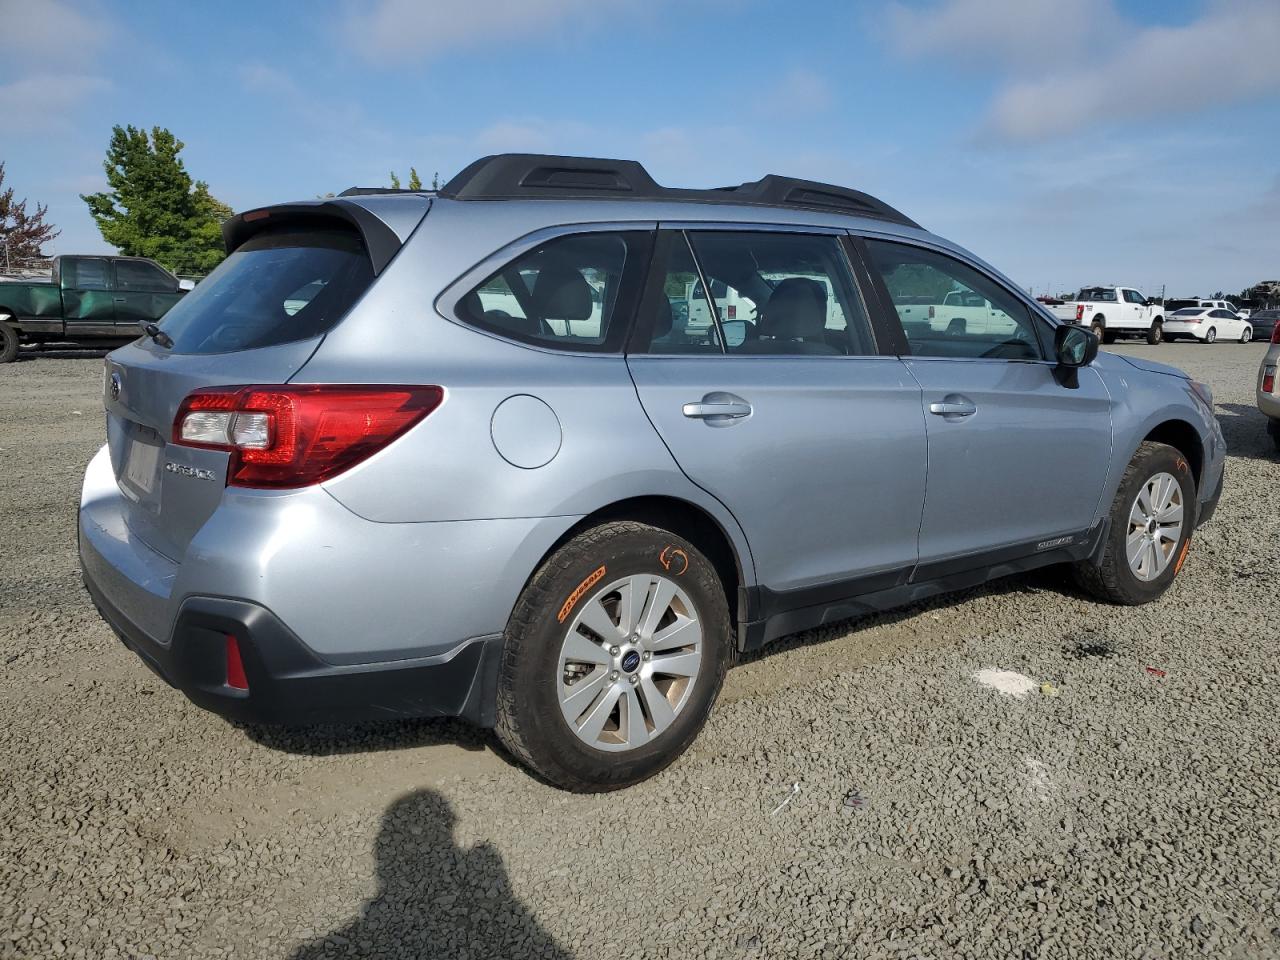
(578, 591)
(1182, 556)
(673, 557)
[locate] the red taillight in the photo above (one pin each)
(732, 312)
(297, 435)
(235, 666)
(1079, 312)
(1275, 334)
(1269, 380)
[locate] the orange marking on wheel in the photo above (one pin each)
(582, 588)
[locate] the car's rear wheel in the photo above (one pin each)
(1155, 333)
(1151, 520)
(613, 657)
(8, 342)
(1211, 335)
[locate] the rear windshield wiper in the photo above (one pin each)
(158, 335)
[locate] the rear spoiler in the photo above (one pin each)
(381, 239)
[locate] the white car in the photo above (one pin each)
(1207, 324)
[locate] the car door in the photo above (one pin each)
(88, 297)
(1134, 308)
(787, 413)
(1229, 325)
(1017, 454)
(144, 293)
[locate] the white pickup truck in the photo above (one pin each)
(1112, 311)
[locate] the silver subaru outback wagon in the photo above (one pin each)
(548, 447)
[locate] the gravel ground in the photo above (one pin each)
(1129, 808)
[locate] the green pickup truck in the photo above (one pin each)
(90, 301)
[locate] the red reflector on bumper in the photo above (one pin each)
(235, 667)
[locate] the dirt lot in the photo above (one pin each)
(1124, 812)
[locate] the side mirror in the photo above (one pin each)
(1074, 346)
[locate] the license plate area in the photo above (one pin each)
(141, 473)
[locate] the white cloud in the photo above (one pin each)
(410, 29)
(1075, 63)
(41, 101)
(33, 30)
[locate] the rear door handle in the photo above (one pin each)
(717, 409)
(953, 407)
(704, 411)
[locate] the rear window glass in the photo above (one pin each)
(279, 286)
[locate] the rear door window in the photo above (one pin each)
(280, 285)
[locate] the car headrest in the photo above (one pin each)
(796, 308)
(472, 305)
(561, 293)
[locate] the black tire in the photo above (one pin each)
(1211, 335)
(8, 343)
(530, 722)
(1099, 328)
(1246, 335)
(1112, 579)
(1155, 333)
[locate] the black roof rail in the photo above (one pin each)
(373, 191)
(523, 176)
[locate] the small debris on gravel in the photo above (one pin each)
(1008, 682)
(1102, 825)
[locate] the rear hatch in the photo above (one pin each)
(293, 274)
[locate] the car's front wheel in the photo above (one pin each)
(1151, 521)
(1246, 335)
(613, 657)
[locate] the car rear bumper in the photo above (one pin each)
(336, 619)
(288, 683)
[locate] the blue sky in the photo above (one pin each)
(1066, 141)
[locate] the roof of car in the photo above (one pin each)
(529, 176)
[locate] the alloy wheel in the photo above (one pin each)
(629, 662)
(1155, 526)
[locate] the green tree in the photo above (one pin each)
(415, 182)
(22, 234)
(395, 181)
(153, 208)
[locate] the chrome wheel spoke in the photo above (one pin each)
(632, 719)
(682, 633)
(678, 664)
(596, 618)
(656, 703)
(578, 649)
(591, 725)
(661, 593)
(1136, 543)
(1171, 514)
(580, 695)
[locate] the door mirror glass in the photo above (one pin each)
(1074, 346)
(735, 332)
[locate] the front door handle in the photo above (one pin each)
(717, 409)
(953, 407)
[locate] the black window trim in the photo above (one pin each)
(147, 262)
(634, 274)
(640, 341)
(1035, 310)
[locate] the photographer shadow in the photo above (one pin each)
(435, 899)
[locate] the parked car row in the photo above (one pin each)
(1117, 311)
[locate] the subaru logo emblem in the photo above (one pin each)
(115, 386)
